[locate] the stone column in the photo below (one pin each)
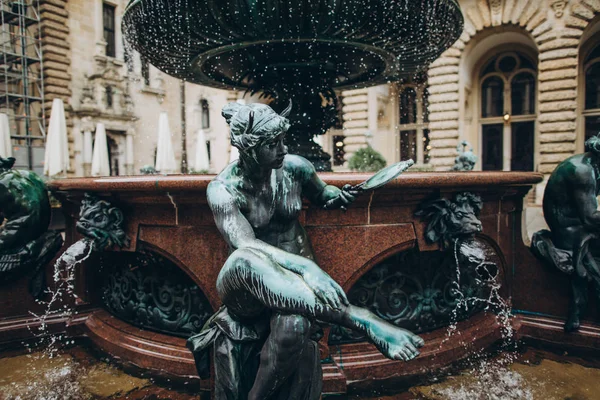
(87, 127)
(443, 80)
(129, 158)
(87, 152)
(78, 153)
(56, 53)
(356, 120)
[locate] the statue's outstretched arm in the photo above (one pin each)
(318, 192)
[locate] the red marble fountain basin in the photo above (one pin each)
(169, 215)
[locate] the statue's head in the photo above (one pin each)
(6, 163)
(593, 144)
(257, 131)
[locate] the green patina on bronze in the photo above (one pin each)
(149, 291)
(25, 242)
(466, 159)
(571, 212)
(300, 50)
(423, 291)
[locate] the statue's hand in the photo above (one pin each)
(344, 199)
(326, 289)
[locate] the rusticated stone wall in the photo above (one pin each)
(556, 27)
(56, 50)
(356, 110)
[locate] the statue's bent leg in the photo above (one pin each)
(579, 300)
(251, 279)
(281, 354)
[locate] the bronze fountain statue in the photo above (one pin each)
(571, 212)
(25, 242)
(274, 293)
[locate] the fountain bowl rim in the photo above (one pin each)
(199, 183)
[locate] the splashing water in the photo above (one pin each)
(52, 379)
(61, 298)
(59, 378)
(490, 378)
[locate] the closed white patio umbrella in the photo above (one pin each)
(100, 161)
(56, 157)
(165, 156)
(5, 144)
(201, 163)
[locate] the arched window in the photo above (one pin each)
(492, 97)
(523, 94)
(408, 106)
(592, 93)
(205, 114)
(413, 123)
(508, 113)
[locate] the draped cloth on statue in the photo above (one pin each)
(237, 347)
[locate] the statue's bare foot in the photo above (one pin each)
(395, 343)
(572, 323)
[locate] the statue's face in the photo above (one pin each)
(271, 153)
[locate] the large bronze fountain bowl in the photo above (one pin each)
(317, 43)
(299, 50)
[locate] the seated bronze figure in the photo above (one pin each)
(571, 212)
(273, 291)
(25, 241)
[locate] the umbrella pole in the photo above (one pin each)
(184, 165)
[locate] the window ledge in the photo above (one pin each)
(591, 111)
(419, 167)
(114, 60)
(151, 90)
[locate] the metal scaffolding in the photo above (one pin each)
(21, 80)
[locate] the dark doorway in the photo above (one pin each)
(492, 147)
(113, 153)
(592, 126)
(408, 145)
(522, 146)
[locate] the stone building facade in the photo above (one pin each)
(521, 85)
(88, 65)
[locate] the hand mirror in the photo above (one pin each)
(384, 176)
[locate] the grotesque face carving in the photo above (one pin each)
(101, 222)
(452, 219)
(462, 218)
